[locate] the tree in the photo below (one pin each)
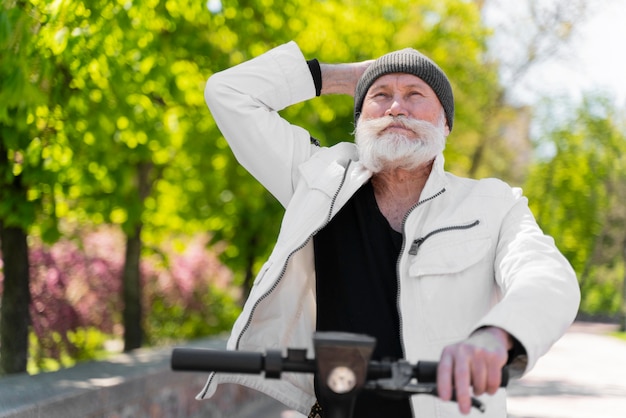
(32, 156)
(132, 96)
(126, 92)
(579, 196)
(525, 35)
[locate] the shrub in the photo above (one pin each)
(189, 293)
(76, 295)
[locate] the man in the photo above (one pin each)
(378, 239)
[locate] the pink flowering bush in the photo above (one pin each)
(76, 295)
(189, 292)
(73, 287)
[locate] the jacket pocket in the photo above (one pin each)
(451, 282)
(450, 249)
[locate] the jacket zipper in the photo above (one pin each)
(415, 246)
(282, 273)
(406, 216)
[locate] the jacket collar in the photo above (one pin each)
(326, 170)
(437, 180)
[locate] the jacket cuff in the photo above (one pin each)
(316, 73)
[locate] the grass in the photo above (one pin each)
(620, 335)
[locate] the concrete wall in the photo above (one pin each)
(134, 385)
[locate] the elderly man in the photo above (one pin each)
(378, 239)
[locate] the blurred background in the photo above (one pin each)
(125, 221)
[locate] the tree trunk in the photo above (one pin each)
(131, 279)
(14, 308)
(131, 282)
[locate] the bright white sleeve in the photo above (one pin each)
(245, 100)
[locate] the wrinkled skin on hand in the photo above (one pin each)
(473, 366)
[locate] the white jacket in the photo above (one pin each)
(487, 262)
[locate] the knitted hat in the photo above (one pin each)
(408, 61)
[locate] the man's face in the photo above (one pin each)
(401, 94)
(402, 124)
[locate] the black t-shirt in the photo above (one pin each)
(356, 258)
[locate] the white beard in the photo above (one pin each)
(381, 151)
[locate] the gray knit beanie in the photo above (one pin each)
(408, 61)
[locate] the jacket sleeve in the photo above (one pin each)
(536, 280)
(245, 100)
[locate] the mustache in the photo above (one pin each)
(380, 124)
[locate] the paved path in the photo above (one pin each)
(582, 376)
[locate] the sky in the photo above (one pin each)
(603, 47)
(595, 61)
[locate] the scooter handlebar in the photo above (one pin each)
(207, 360)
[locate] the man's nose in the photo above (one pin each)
(396, 108)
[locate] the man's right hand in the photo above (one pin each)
(342, 78)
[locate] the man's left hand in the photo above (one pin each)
(473, 364)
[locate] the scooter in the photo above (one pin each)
(342, 365)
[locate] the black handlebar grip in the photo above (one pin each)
(505, 377)
(426, 371)
(202, 359)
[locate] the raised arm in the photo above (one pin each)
(245, 100)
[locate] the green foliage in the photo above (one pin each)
(77, 345)
(31, 152)
(601, 293)
(188, 293)
(578, 193)
(169, 322)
